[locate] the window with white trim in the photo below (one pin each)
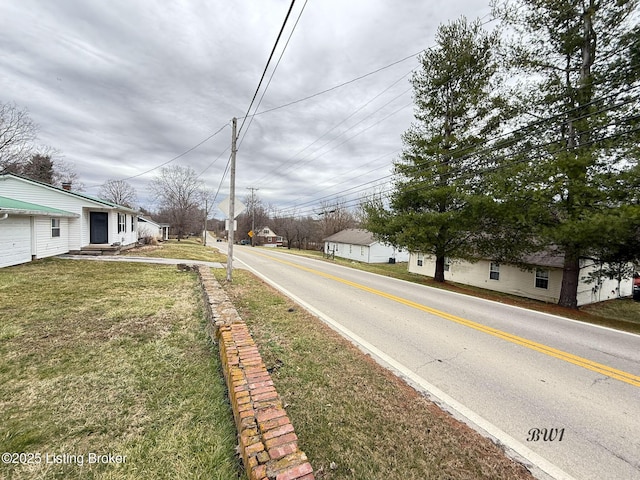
(447, 264)
(420, 259)
(542, 278)
(122, 222)
(494, 271)
(55, 227)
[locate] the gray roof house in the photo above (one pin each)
(360, 245)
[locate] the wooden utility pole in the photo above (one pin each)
(232, 200)
(206, 213)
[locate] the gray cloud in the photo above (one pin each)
(121, 87)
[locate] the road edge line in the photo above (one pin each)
(538, 465)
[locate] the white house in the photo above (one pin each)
(93, 223)
(149, 228)
(29, 231)
(358, 244)
(541, 282)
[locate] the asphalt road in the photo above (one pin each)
(505, 370)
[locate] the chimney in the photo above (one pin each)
(66, 186)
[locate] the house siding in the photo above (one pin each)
(358, 253)
(147, 228)
(374, 253)
(45, 244)
(515, 281)
(15, 240)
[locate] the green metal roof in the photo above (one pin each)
(10, 205)
(69, 192)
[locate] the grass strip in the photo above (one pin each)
(110, 358)
(355, 419)
(187, 249)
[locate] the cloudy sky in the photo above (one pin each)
(121, 87)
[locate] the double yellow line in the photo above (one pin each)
(539, 347)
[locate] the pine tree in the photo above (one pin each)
(438, 188)
(583, 158)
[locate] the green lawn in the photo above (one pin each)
(188, 249)
(110, 358)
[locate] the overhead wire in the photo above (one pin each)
(273, 72)
(226, 170)
(497, 146)
(177, 156)
(277, 170)
(266, 67)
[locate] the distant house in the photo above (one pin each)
(149, 228)
(267, 238)
(85, 222)
(358, 244)
(542, 281)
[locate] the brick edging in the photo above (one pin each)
(267, 440)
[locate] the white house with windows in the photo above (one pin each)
(360, 245)
(75, 221)
(541, 282)
(149, 228)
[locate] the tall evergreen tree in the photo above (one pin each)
(40, 167)
(581, 161)
(434, 206)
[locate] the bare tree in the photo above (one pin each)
(17, 136)
(307, 233)
(254, 217)
(177, 189)
(63, 172)
(119, 192)
(285, 226)
(334, 217)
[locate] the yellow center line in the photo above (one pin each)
(539, 347)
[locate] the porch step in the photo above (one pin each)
(102, 249)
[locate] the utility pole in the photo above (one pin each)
(253, 214)
(206, 213)
(232, 199)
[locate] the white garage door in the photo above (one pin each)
(15, 241)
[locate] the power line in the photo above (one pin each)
(315, 200)
(361, 77)
(267, 65)
(359, 109)
(335, 87)
(274, 71)
(494, 145)
(179, 156)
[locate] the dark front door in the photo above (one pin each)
(98, 227)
